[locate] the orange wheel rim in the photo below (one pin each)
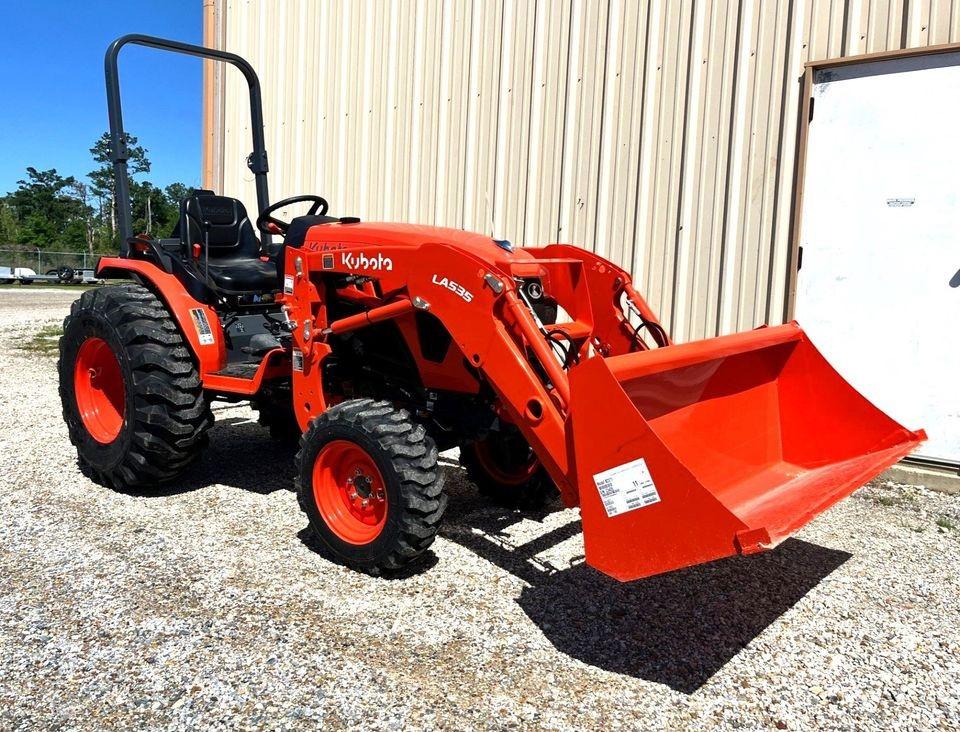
(98, 387)
(502, 463)
(349, 492)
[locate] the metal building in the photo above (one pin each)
(662, 134)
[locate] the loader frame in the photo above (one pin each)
(483, 309)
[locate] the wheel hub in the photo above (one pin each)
(349, 492)
(99, 390)
(362, 484)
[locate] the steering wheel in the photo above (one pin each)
(267, 224)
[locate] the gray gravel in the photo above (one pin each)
(204, 606)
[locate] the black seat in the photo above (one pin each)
(235, 263)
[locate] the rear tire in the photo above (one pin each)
(506, 470)
(132, 398)
(369, 483)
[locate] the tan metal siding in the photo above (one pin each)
(661, 134)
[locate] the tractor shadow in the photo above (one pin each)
(676, 629)
(241, 454)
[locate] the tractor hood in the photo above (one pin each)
(497, 253)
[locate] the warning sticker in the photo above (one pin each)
(297, 360)
(626, 487)
(901, 202)
(202, 325)
(288, 284)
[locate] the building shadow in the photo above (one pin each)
(676, 629)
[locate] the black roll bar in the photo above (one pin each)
(257, 161)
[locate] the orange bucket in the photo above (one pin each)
(694, 452)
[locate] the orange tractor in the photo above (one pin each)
(380, 344)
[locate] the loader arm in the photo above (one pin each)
(480, 309)
(676, 454)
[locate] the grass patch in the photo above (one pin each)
(45, 341)
(894, 499)
(944, 523)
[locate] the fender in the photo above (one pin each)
(211, 357)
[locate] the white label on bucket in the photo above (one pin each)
(202, 325)
(626, 487)
(288, 284)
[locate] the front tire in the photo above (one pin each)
(369, 483)
(506, 470)
(132, 398)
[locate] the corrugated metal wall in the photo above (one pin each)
(661, 134)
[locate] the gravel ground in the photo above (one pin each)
(205, 606)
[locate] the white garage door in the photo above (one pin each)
(879, 286)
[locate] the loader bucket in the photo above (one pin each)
(718, 447)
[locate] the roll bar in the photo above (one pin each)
(256, 161)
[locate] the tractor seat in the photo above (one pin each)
(235, 263)
(244, 275)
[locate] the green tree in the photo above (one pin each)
(155, 211)
(102, 178)
(51, 211)
(8, 224)
(81, 191)
(47, 213)
(175, 193)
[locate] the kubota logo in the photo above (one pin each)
(362, 261)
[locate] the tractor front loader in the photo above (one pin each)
(378, 344)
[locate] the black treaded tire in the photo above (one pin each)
(531, 494)
(407, 460)
(166, 415)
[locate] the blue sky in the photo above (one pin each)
(51, 67)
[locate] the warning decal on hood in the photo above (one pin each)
(626, 488)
